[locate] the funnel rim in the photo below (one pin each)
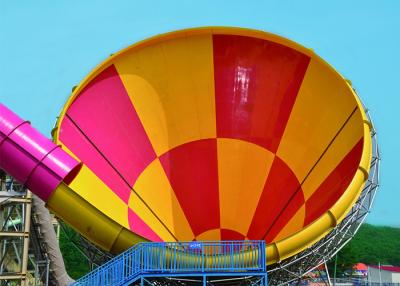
(310, 234)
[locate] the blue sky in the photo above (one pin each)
(47, 47)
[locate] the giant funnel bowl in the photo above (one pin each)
(213, 134)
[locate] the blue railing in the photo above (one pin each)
(173, 258)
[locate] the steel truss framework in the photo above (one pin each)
(294, 269)
(205, 280)
(23, 258)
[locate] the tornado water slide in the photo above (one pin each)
(201, 134)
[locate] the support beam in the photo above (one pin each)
(10, 277)
(13, 234)
(27, 226)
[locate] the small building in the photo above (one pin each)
(383, 274)
(360, 270)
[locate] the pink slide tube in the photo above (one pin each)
(31, 158)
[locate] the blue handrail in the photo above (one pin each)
(152, 258)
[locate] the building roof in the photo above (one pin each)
(360, 266)
(387, 268)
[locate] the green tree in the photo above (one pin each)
(75, 262)
(371, 245)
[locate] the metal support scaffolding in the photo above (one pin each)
(209, 280)
(22, 262)
(15, 217)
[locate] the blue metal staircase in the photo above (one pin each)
(182, 259)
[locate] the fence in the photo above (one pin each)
(181, 258)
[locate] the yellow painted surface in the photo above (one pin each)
(93, 190)
(89, 221)
(154, 187)
(171, 85)
(140, 209)
(341, 146)
(149, 218)
(294, 225)
(347, 200)
(243, 168)
(271, 252)
(213, 234)
(315, 120)
(125, 240)
(301, 240)
(86, 219)
(365, 163)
